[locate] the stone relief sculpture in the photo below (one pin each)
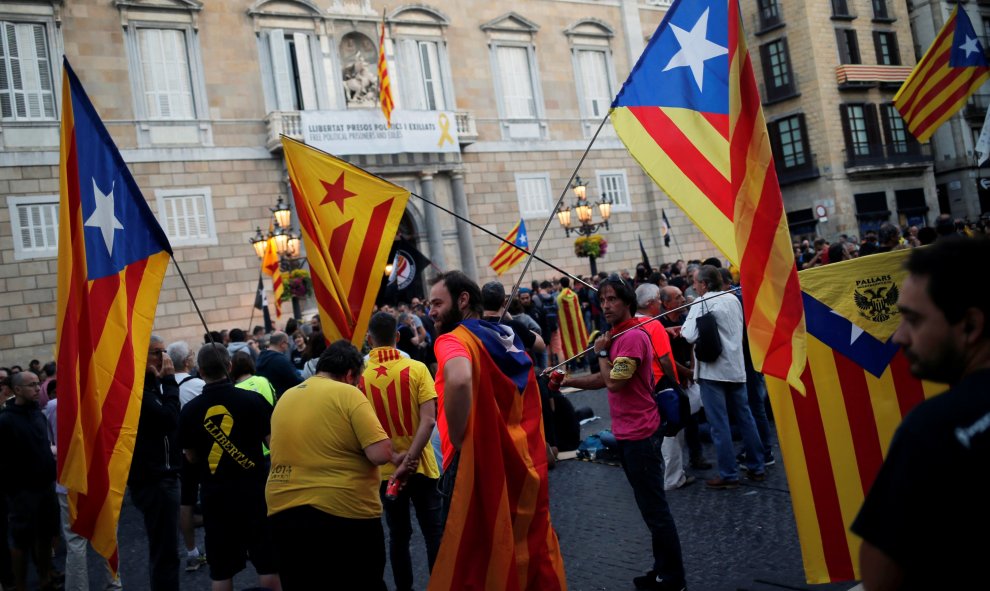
(359, 59)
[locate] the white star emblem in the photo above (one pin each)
(854, 330)
(523, 241)
(695, 50)
(509, 341)
(103, 216)
(970, 46)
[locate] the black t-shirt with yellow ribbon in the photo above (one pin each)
(225, 428)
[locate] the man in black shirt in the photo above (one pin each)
(28, 482)
(493, 301)
(920, 530)
(221, 432)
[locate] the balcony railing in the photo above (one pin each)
(290, 123)
(768, 16)
(850, 74)
(976, 107)
(892, 155)
(795, 174)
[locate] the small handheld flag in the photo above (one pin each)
(507, 255)
(953, 68)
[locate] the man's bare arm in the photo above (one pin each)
(458, 382)
(427, 419)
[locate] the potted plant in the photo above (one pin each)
(593, 246)
(297, 283)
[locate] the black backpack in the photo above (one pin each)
(708, 347)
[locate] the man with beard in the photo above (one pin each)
(914, 524)
(491, 432)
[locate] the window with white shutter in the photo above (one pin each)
(515, 78)
(293, 76)
(612, 185)
(34, 226)
(165, 72)
(595, 82)
(186, 215)
(27, 91)
(421, 75)
(533, 192)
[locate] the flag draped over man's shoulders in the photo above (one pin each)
(507, 255)
(270, 267)
(112, 256)
(349, 219)
(953, 68)
(573, 332)
(690, 114)
(498, 534)
(858, 388)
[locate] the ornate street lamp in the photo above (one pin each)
(288, 244)
(584, 211)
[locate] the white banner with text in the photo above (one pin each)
(364, 132)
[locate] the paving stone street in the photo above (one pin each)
(742, 539)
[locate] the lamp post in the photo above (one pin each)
(584, 212)
(287, 245)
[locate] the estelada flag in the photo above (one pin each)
(953, 68)
(498, 534)
(112, 256)
(511, 251)
(858, 387)
(690, 114)
(349, 218)
(270, 267)
(573, 332)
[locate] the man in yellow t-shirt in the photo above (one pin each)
(404, 398)
(322, 490)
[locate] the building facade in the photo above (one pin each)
(196, 94)
(828, 72)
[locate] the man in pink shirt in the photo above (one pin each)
(625, 369)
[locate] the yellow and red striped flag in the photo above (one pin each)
(498, 534)
(349, 219)
(953, 68)
(270, 267)
(858, 387)
(508, 255)
(384, 86)
(690, 114)
(573, 332)
(112, 256)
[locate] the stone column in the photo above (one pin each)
(632, 29)
(465, 238)
(433, 232)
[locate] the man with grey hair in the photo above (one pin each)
(274, 364)
(723, 377)
(664, 376)
(183, 359)
(154, 475)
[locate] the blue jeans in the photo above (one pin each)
(713, 396)
(757, 389)
(643, 465)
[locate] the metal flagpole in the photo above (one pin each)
(647, 321)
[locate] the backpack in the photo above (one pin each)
(708, 347)
(673, 404)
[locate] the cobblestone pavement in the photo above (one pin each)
(742, 539)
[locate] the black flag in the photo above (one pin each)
(405, 281)
(646, 259)
(260, 299)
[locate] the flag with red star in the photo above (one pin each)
(349, 219)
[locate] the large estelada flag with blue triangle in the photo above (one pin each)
(112, 256)
(858, 387)
(690, 114)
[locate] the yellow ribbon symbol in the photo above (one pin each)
(444, 130)
(226, 424)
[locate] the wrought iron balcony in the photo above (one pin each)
(872, 158)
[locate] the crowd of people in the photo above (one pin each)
(331, 437)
